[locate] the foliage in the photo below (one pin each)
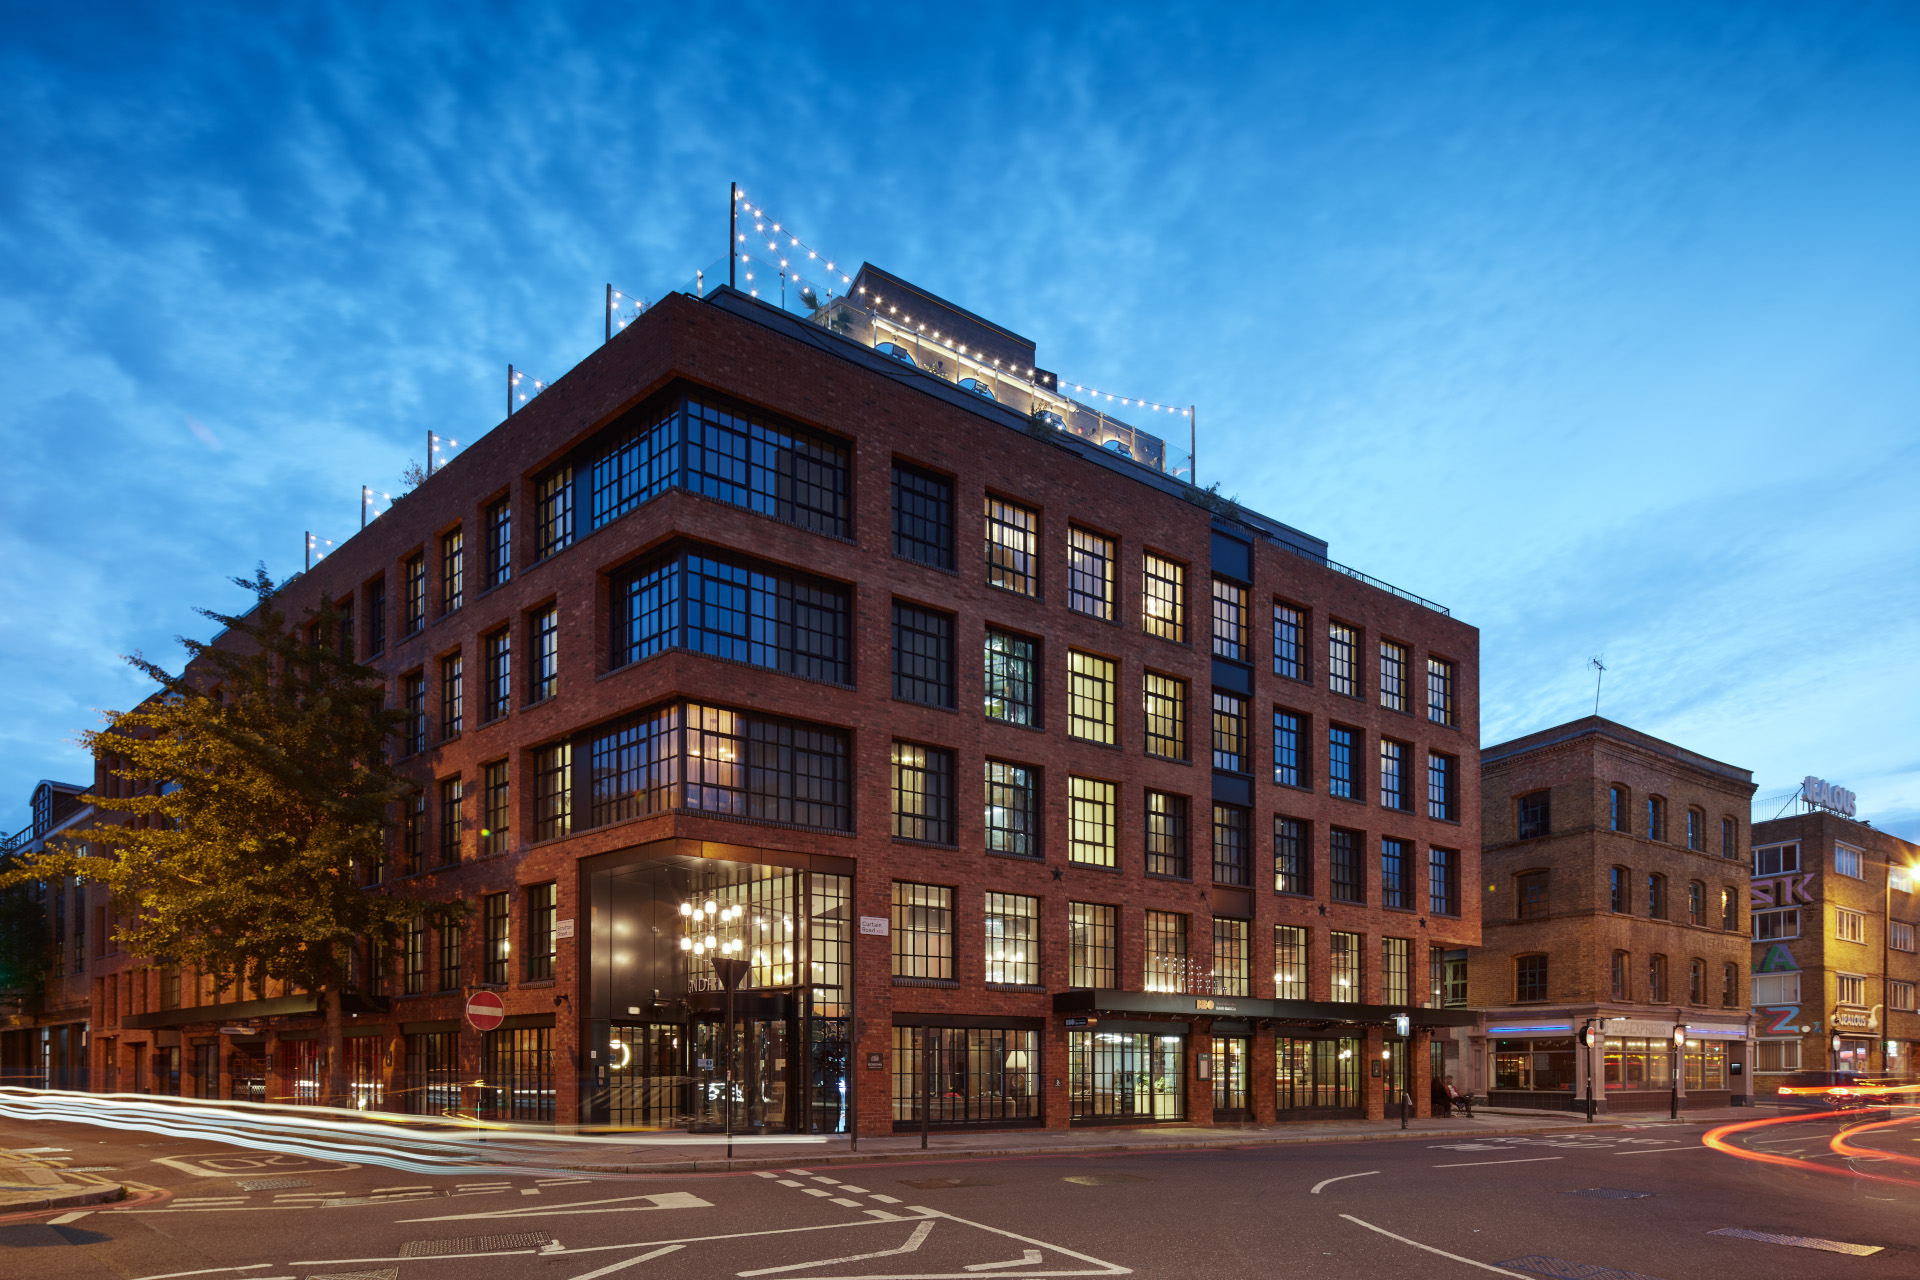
(23, 942)
(1213, 500)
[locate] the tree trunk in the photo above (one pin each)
(336, 1094)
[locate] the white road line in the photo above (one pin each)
(788, 1182)
(621, 1204)
(845, 1203)
(1475, 1163)
(1327, 1182)
(885, 1199)
(621, 1266)
(1027, 1258)
(852, 1190)
(814, 1191)
(207, 1271)
(766, 1173)
(1499, 1271)
(913, 1243)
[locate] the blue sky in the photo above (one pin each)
(1596, 323)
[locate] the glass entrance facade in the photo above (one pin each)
(1316, 1077)
(1127, 1076)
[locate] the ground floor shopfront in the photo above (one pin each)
(1632, 1062)
(48, 1055)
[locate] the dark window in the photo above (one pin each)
(543, 673)
(343, 634)
(413, 957)
(1729, 987)
(1657, 979)
(1344, 869)
(1656, 818)
(1090, 573)
(413, 833)
(494, 907)
(1393, 676)
(1696, 830)
(1292, 857)
(453, 571)
(1443, 882)
(1232, 859)
(553, 512)
(1011, 692)
(1729, 910)
(452, 697)
(735, 608)
(1166, 835)
(415, 614)
(542, 910)
(634, 460)
(1393, 775)
(1620, 980)
(1165, 702)
(1290, 750)
(1696, 903)
(1440, 787)
(377, 617)
(922, 516)
(499, 697)
(1696, 982)
(1396, 874)
(495, 833)
(1530, 894)
(1529, 978)
(1657, 897)
(414, 727)
(716, 760)
(1231, 750)
(1013, 545)
(1230, 620)
(519, 1066)
(1339, 761)
(922, 793)
(1617, 808)
(552, 791)
(1439, 691)
(1728, 838)
(922, 655)
(499, 543)
(1535, 815)
(452, 795)
(1617, 890)
(1289, 642)
(1012, 809)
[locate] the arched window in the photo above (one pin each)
(1697, 982)
(1729, 909)
(1530, 895)
(1656, 896)
(1656, 979)
(1529, 979)
(1729, 986)
(1622, 977)
(1619, 896)
(1729, 838)
(1617, 809)
(1656, 818)
(1696, 903)
(1696, 830)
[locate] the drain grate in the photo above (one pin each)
(1104, 1179)
(1560, 1269)
(273, 1184)
(1611, 1193)
(471, 1244)
(941, 1184)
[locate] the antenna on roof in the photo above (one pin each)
(1599, 670)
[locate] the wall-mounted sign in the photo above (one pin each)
(875, 925)
(876, 1062)
(1853, 1020)
(1215, 1006)
(1822, 794)
(1783, 892)
(563, 928)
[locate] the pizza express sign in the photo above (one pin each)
(1822, 794)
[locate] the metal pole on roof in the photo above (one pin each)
(429, 451)
(363, 506)
(306, 538)
(733, 228)
(509, 390)
(609, 337)
(1193, 443)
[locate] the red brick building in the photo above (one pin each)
(1030, 783)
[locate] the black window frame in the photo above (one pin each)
(1003, 673)
(1346, 865)
(1013, 791)
(923, 641)
(499, 543)
(1292, 856)
(923, 516)
(924, 773)
(1166, 827)
(1232, 844)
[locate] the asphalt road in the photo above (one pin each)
(1593, 1204)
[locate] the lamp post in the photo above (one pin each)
(1679, 1062)
(715, 933)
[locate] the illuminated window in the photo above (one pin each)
(1093, 946)
(1012, 807)
(1013, 939)
(1292, 857)
(1090, 573)
(1231, 749)
(1090, 683)
(1342, 677)
(1289, 962)
(1166, 834)
(453, 572)
(1012, 547)
(1090, 822)
(1343, 963)
(922, 933)
(1165, 701)
(1166, 951)
(922, 793)
(1440, 691)
(1393, 676)
(1011, 694)
(1396, 971)
(1163, 598)
(1232, 958)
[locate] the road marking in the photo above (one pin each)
(1799, 1242)
(788, 1182)
(622, 1204)
(1027, 1258)
(845, 1203)
(1476, 1163)
(207, 1271)
(1327, 1182)
(621, 1266)
(529, 1191)
(885, 1199)
(1472, 1262)
(814, 1191)
(913, 1243)
(766, 1173)
(852, 1190)
(1657, 1151)
(68, 1217)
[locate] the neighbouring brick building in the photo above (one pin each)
(43, 1039)
(1834, 966)
(1030, 784)
(1614, 869)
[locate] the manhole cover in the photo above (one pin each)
(1104, 1179)
(471, 1244)
(273, 1184)
(941, 1184)
(1540, 1264)
(1610, 1193)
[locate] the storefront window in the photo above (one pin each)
(1640, 1064)
(976, 1075)
(1706, 1064)
(1118, 1075)
(1533, 1064)
(1312, 1074)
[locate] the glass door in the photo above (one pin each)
(1230, 1078)
(648, 1080)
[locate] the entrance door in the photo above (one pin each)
(206, 1068)
(166, 1071)
(139, 1082)
(648, 1084)
(763, 1062)
(247, 1068)
(1230, 1078)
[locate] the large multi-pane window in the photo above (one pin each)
(452, 696)
(413, 956)
(922, 516)
(733, 607)
(1292, 857)
(1443, 882)
(1344, 870)
(686, 755)
(1396, 874)
(553, 512)
(1343, 674)
(377, 617)
(1289, 962)
(518, 1065)
(1529, 979)
(494, 913)
(1091, 817)
(413, 833)
(1441, 796)
(1340, 761)
(922, 655)
(542, 911)
(955, 1076)
(1343, 965)
(1231, 749)
(1232, 856)
(499, 543)
(1535, 814)
(922, 931)
(1289, 641)
(413, 730)
(1163, 598)
(1013, 939)
(1619, 895)
(499, 657)
(1165, 703)
(922, 793)
(543, 673)
(453, 938)
(1090, 573)
(1093, 945)
(452, 819)
(1230, 621)
(1011, 670)
(1013, 544)
(1232, 957)
(453, 571)
(1396, 971)
(553, 791)
(1530, 893)
(414, 602)
(1394, 793)
(1166, 951)
(494, 834)
(1393, 676)
(1290, 750)
(1439, 691)
(1090, 682)
(1167, 835)
(1012, 809)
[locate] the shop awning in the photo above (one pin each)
(1166, 1004)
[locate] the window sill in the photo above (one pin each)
(1295, 786)
(1095, 866)
(1032, 987)
(941, 983)
(1015, 724)
(1166, 878)
(1154, 755)
(1091, 742)
(1034, 859)
(610, 672)
(1016, 593)
(951, 573)
(534, 984)
(926, 844)
(930, 706)
(539, 702)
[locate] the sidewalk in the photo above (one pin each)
(27, 1184)
(681, 1156)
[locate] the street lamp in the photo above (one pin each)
(1679, 1062)
(717, 934)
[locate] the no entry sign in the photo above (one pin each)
(485, 1011)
